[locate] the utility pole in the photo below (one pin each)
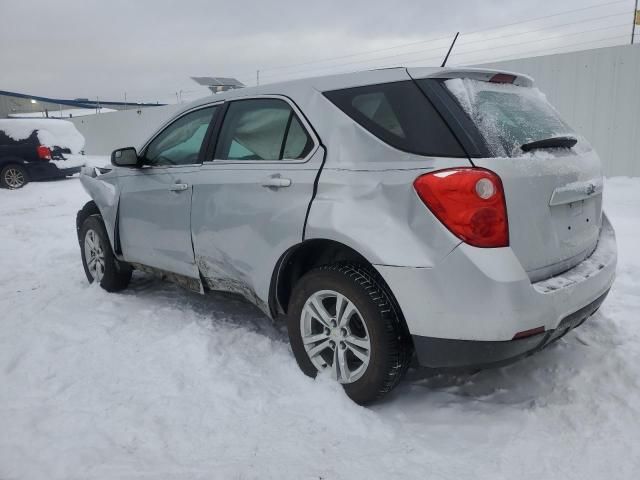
(125, 100)
(636, 20)
(258, 76)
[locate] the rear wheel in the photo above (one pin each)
(341, 319)
(100, 264)
(14, 176)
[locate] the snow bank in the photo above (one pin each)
(59, 133)
(160, 383)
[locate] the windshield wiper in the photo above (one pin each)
(551, 142)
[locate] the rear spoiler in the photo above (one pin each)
(481, 74)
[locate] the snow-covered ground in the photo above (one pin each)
(160, 383)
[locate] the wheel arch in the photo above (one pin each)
(11, 160)
(91, 208)
(309, 254)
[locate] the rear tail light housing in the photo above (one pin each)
(469, 202)
(44, 153)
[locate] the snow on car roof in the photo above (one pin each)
(51, 132)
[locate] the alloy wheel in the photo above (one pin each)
(94, 255)
(335, 336)
(14, 177)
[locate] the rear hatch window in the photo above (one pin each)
(400, 115)
(508, 116)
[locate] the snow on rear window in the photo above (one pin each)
(507, 115)
(51, 133)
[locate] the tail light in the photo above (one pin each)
(44, 153)
(502, 78)
(469, 202)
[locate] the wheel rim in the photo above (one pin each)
(335, 336)
(94, 255)
(14, 177)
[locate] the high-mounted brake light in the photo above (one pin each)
(469, 202)
(502, 78)
(44, 153)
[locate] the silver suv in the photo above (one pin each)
(444, 215)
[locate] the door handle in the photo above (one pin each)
(178, 187)
(276, 182)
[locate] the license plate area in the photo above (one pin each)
(577, 225)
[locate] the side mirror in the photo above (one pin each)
(125, 157)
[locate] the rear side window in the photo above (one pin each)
(262, 129)
(399, 114)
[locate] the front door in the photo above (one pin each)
(155, 200)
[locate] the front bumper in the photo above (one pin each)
(483, 296)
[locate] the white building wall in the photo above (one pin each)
(598, 93)
(105, 132)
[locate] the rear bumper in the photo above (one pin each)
(470, 354)
(69, 171)
(48, 170)
(484, 295)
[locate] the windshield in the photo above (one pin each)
(508, 116)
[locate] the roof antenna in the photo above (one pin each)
(444, 62)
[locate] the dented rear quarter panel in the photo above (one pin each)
(365, 197)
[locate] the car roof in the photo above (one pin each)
(356, 79)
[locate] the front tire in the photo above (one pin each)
(99, 262)
(341, 318)
(13, 176)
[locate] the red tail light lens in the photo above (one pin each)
(469, 202)
(44, 153)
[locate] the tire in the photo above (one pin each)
(112, 274)
(13, 176)
(376, 318)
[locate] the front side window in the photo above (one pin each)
(180, 142)
(262, 129)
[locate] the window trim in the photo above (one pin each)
(171, 121)
(301, 118)
(454, 115)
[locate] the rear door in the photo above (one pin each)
(155, 200)
(251, 199)
(553, 195)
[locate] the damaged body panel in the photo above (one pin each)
(242, 225)
(104, 189)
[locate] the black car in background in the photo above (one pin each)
(28, 159)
